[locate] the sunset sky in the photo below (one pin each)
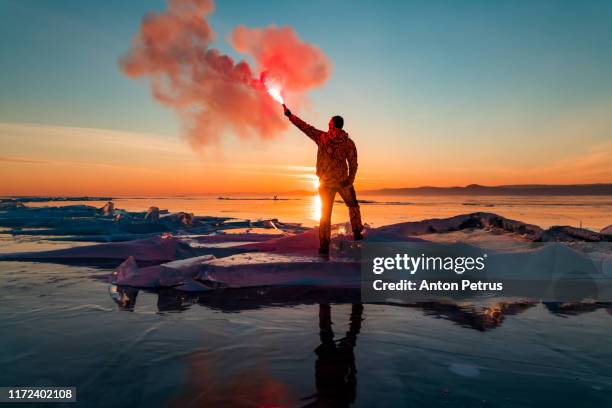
(433, 93)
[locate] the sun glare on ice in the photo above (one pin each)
(315, 209)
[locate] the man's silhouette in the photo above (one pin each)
(336, 169)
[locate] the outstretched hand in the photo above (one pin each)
(287, 111)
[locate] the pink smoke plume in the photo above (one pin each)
(209, 91)
(282, 55)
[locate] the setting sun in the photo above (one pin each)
(315, 182)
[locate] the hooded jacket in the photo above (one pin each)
(335, 150)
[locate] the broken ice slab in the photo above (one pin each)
(153, 250)
(269, 269)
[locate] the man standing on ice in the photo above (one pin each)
(336, 169)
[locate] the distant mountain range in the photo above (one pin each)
(520, 189)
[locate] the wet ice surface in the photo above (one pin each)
(275, 345)
(61, 327)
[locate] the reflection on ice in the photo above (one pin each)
(276, 345)
(315, 208)
(481, 317)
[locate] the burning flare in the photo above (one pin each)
(276, 94)
(274, 91)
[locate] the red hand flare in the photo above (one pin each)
(274, 90)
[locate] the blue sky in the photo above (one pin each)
(433, 76)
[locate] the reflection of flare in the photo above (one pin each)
(315, 212)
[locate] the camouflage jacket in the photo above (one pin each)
(336, 149)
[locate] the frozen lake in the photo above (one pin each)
(65, 325)
(593, 212)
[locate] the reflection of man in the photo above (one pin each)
(336, 149)
(335, 372)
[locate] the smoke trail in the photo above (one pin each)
(280, 53)
(210, 92)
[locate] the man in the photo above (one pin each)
(336, 169)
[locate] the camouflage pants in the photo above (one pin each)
(328, 195)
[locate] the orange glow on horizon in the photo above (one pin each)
(55, 160)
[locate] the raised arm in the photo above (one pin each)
(351, 158)
(311, 131)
